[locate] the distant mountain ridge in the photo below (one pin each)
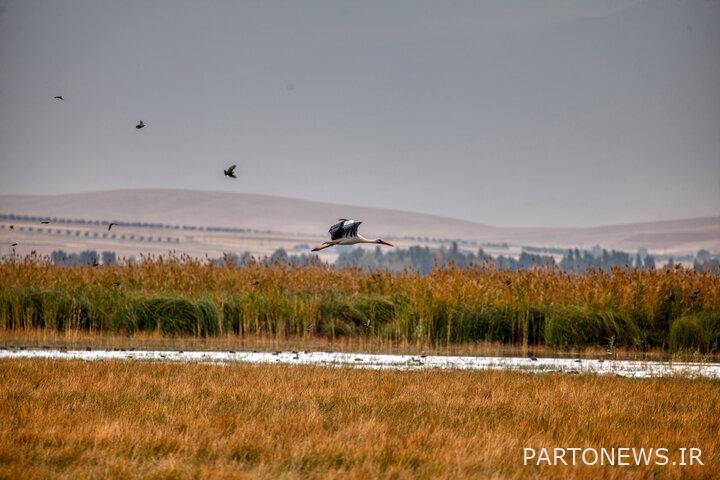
(280, 214)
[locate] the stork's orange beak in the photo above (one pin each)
(386, 243)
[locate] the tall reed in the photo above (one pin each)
(183, 296)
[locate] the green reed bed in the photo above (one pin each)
(182, 297)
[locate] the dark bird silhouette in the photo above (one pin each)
(140, 125)
(45, 222)
(13, 244)
(230, 172)
(256, 282)
(111, 225)
(694, 295)
(671, 297)
(59, 97)
(12, 226)
(95, 262)
(117, 284)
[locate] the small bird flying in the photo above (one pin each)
(140, 125)
(14, 244)
(111, 225)
(345, 232)
(45, 222)
(230, 172)
(59, 97)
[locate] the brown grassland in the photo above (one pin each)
(72, 419)
(113, 419)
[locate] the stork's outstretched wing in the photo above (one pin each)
(336, 231)
(343, 229)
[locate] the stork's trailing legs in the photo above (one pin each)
(324, 245)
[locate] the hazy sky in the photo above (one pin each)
(528, 113)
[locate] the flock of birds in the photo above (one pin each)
(345, 232)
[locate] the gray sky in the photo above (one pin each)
(523, 113)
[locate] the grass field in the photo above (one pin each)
(71, 419)
(674, 310)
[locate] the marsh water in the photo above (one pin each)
(624, 368)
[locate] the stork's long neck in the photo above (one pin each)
(366, 240)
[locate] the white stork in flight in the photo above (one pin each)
(345, 232)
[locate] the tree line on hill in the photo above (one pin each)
(103, 234)
(105, 223)
(86, 257)
(155, 225)
(424, 259)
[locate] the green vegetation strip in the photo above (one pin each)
(335, 314)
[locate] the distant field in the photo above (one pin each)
(73, 419)
(132, 241)
(676, 310)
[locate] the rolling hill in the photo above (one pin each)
(311, 219)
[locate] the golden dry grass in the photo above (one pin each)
(72, 419)
(623, 289)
